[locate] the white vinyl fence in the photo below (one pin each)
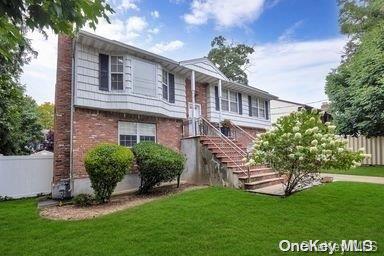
(23, 176)
(373, 146)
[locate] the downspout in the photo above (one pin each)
(72, 114)
(219, 89)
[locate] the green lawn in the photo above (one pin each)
(362, 170)
(212, 221)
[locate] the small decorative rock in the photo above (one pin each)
(327, 179)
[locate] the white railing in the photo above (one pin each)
(242, 131)
(204, 128)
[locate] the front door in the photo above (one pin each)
(197, 115)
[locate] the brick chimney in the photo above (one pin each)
(62, 121)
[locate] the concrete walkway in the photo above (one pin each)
(354, 178)
(274, 190)
(278, 190)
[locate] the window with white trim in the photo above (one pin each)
(224, 100)
(233, 101)
(261, 108)
(255, 106)
(144, 77)
(131, 133)
(165, 85)
(117, 73)
(229, 101)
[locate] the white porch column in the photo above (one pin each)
(193, 89)
(219, 89)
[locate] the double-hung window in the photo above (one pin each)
(262, 108)
(224, 100)
(229, 101)
(165, 85)
(255, 107)
(234, 104)
(168, 83)
(258, 107)
(117, 73)
(131, 133)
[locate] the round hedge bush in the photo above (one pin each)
(156, 164)
(106, 165)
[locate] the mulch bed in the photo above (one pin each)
(117, 203)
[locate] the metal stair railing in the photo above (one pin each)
(207, 129)
(216, 132)
(242, 131)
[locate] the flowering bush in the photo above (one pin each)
(300, 146)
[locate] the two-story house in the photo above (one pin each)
(108, 91)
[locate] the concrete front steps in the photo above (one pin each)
(231, 156)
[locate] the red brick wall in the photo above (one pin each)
(201, 96)
(244, 139)
(62, 119)
(92, 127)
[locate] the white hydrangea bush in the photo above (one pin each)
(300, 146)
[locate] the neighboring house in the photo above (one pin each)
(108, 91)
(281, 108)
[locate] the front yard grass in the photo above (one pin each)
(377, 171)
(212, 221)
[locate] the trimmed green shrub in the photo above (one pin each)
(83, 200)
(106, 165)
(157, 164)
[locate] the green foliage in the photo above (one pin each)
(46, 115)
(157, 164)
(83, 200)
(231, 59)
(62, 16)
(375, 171)
(17, 112)
(196, 223)
(358, 17)
(356, 87)
(106, 165)
(19, 126)
(300, 146)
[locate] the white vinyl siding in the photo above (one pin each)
(88, 94)
(131, 133)
(144, 78)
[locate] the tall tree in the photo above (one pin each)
(45, 114)
(356, 87)
(232, 59)
(62, 16)
(17, 17)
(19, 126)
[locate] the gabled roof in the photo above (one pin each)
(205, 66)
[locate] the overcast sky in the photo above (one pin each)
(297, 42)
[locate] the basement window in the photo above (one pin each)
(131, 133)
